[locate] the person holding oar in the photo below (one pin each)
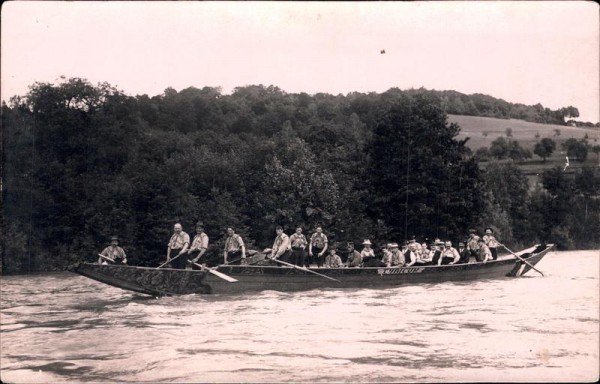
(178, 246)
(235, 251)
(280, 245)
(199, 245)
(113, 253)
(491, 242)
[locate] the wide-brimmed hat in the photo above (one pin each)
(461, 243)
(367, 242)
(488, 229)
(393, 245)
(114, 238)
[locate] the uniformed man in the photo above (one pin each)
(318, 245)
(177, 247)
(199, 245)
(235, 251)
(281, 245)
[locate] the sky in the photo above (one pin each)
(522, 52)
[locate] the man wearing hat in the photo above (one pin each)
(113, 252)
(354, 257)
(368, 256)
(199, 245)
(393, 257)
(436, 251)
(491, 242)
(464, 253)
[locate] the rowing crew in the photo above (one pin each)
(291, 249)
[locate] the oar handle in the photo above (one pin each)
(168, 261)
(106, 257)
(304, 269)
(522, 259)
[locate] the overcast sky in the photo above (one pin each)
(527, 52)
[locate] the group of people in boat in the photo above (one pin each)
(301, 251)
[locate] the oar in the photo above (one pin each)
(168, 261)
(107, 258)
(304, 269)
(522, 259)
(216, 273)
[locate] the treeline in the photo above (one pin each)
(82, 162)
(456, 103)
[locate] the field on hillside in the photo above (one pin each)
(483, 130)
(478, 127)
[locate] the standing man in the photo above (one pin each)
(280, 245)
(318, 245)
(114, 252)
(234, 248)
(491, 242)
(199, 245)
(298, 244)
(178, 245)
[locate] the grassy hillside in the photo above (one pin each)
(483, 130)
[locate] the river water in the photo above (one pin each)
(66, 328)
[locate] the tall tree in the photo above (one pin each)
(421, 181)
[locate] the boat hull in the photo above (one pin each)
(251, 278)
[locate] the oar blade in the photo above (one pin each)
(222, 275)
(217, 273)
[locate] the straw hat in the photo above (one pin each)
(367, 242)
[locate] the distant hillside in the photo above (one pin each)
(483, 130)
(478, 104)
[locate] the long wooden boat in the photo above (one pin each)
(253, 278)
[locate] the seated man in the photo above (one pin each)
(333, 260)
(424, 257)
(449, 255)
(436, 251)
(368, 256)
(354, 257)
(491, 242)
(392, 256)
(464, 253)
(411, 254)
(113, 253)
(473, 242)
(483, 253)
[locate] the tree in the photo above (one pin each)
(576, 149)
(509, 188)
(499, 148)
(418, 175)
(596, 150)
(516, 152)
(544, 148)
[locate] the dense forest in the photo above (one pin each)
(82, 162)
